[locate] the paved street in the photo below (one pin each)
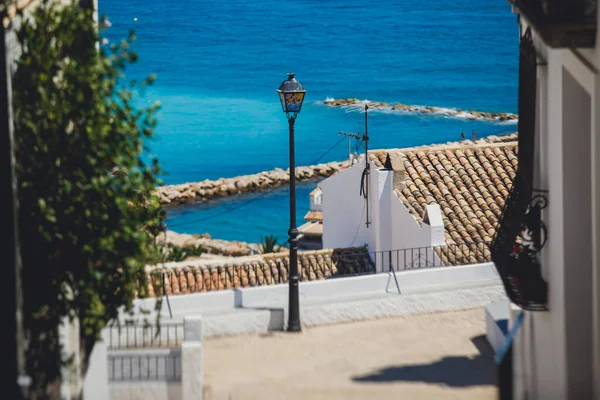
(430, 356)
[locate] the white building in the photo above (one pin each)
(556, 353)
(442, 197)
(310, 233)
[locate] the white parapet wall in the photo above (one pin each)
(263, 309)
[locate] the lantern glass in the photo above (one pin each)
(293, 101)
(282, 100)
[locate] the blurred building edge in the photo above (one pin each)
(17, 381)
(311, 233)
(556, 351)
(10, 246)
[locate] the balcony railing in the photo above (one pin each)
(521, 233)
(515, 249)
(137, 335)
(561, 23)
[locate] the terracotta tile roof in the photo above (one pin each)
(379, 156)
(264, 269)
(314, 216)
(470, 182)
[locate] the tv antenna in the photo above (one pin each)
(364, 182)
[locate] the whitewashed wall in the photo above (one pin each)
(132, 374)
(406, 233)
(344, 210)
(392, 226)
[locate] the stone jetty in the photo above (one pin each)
(207, 189)
(465, 114)
(224, 187)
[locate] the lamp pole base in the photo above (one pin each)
(294, 328)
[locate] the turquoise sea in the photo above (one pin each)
(219, 62)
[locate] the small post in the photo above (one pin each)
(192, 362)
(95, 384)
(393, 271)
(367, 183)
(166, 295)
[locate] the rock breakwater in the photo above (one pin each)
(399, 107)
(224, 187)
(207, 189)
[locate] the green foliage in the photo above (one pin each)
(194, 251)
(268, 244)
(85, 230)
(155, 256)
(159, 255)
(181, 253)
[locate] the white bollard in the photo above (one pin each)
(95, 384)
(192, 363)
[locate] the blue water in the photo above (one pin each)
(219, 62)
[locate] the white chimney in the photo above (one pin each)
(433, 218)
(316, 200)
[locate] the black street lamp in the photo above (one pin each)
(291, 95)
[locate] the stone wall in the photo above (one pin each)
(207, 189)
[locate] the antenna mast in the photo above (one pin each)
(364, 183)
(366, 172)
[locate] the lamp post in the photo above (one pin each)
(291, 95)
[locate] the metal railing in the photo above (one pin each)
(145, 335)
(431, 257)
(144, 367)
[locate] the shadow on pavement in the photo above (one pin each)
(457, 371)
